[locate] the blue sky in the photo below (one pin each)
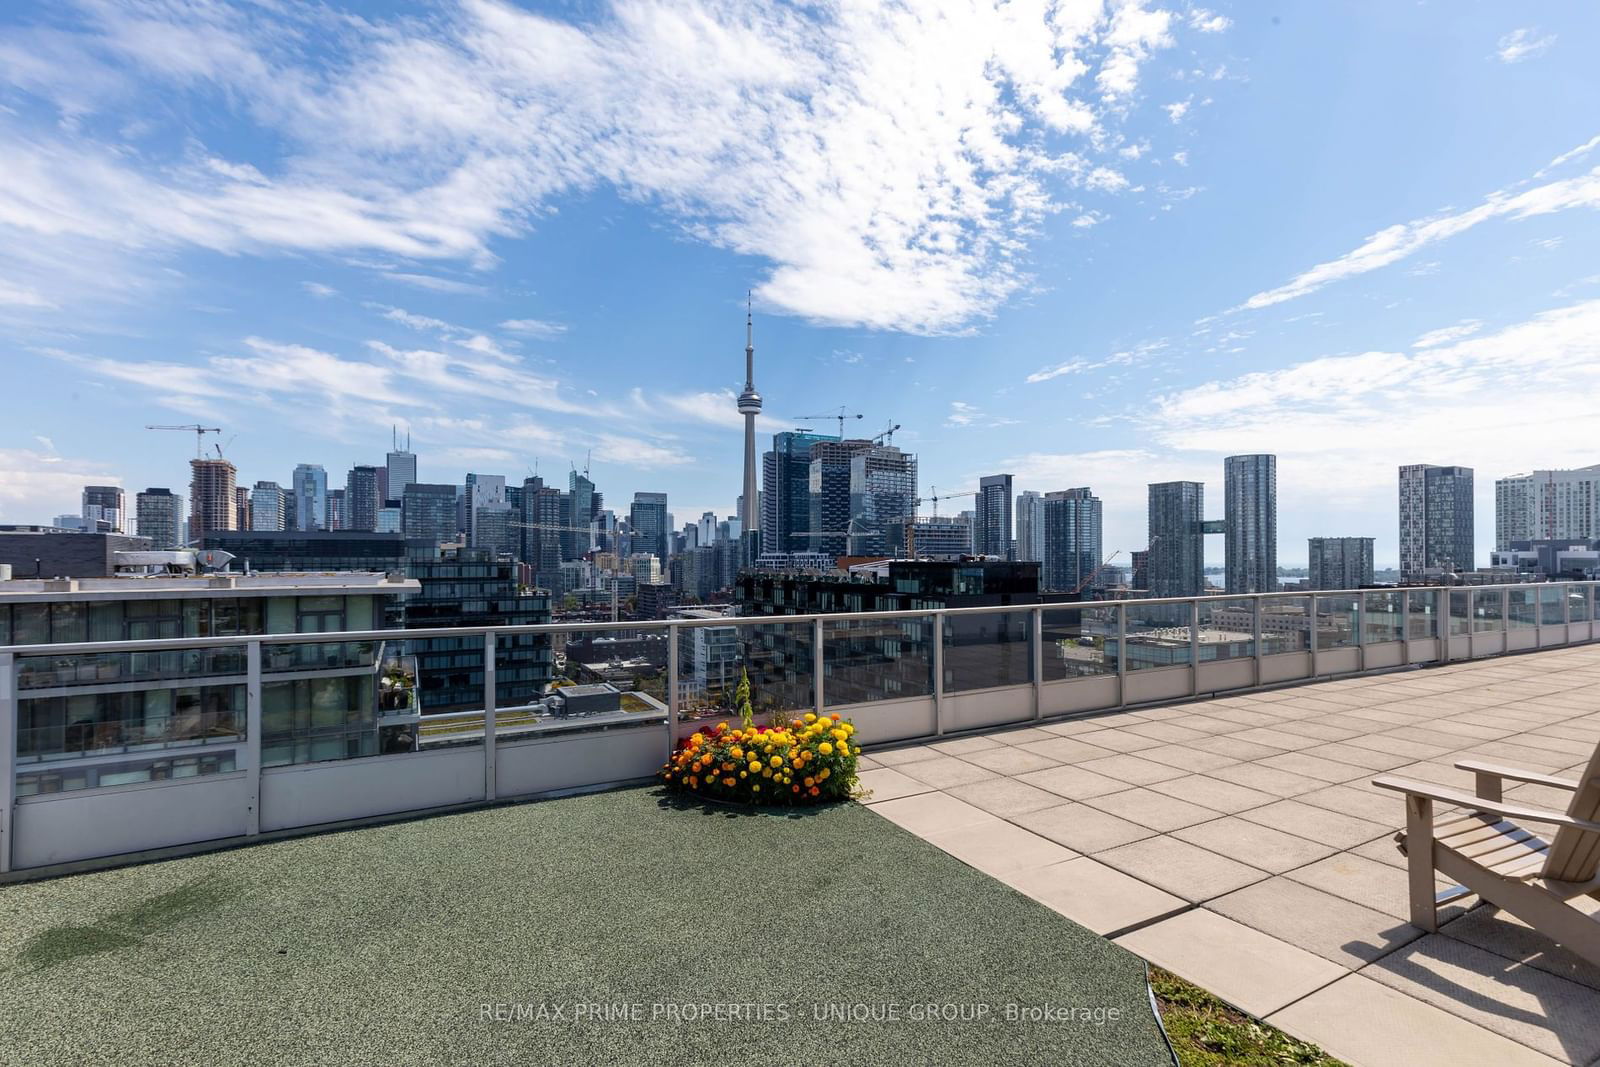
(1089, 244)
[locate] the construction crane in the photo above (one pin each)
(199, 435)
(938, 496)
(842, 414)
(887, 436)
(1091, 576)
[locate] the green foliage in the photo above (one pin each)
(1207, 1033)
(741, 700)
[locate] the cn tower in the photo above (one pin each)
(749, 407)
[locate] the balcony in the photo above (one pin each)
(1184, 779)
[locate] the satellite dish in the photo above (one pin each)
(214, 558)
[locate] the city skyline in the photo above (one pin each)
(1116, 331)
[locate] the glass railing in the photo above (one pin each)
(103, 715)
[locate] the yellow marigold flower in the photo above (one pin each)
(776, 761)
(766, 772)
(809, 780)
(743, 773)
(756, 788)
(738, 753)
(825, 748)
(811, 716)
(823, 774)
(856, 751)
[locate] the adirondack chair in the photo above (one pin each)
(1485, 848)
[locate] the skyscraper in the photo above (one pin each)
(749, 407)
(648, 521)
(1250, 501)
(310, 488)
(992, 535)
(211, 499)
(786, 492)
(401, 465)
(338, 510)
(883, 495)
(429, 511)
(362, 499)
(267, 510)
(1547, 505)
(1435, 519)
(1339, 562)
(1177, 549)
(241, 508)
(105, 509)
(581, 490)
(1072, 540)
(159, 516)
(1030, 526)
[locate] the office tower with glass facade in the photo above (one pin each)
(1030, 526)
(883, 495)
(1435, 520)
(583, 500)
(428, 512)
(310, 488)
(1176, 554)
(159, 516)
(992, 535)
(267, 511)
(1339, 562)
(1072, 541)
(105, 509)
(786, 491)
(648, 520)
(1250, 502)
(401, 470)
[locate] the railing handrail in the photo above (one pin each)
(170, 644)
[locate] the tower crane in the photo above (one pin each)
(199, 435)
(843, 413)
(887, 436)
(1091, 576)
(938, 496)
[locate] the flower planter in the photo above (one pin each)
(810, 761)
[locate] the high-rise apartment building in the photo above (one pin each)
(338, 510)
(428, 512)
(211, 498)
(362, 498)
(1435, 519)
(1176, 559)
(267, 507)
(786, 492)
(483, 491)
(1250, 502)
(883, 495)
(1072, 541)
(105, 509)
(828, 491)
(1547, 505)
(648, 520)
(241, 508)
(310, 488)
(1030, 526)
(992, 536)
(159, 516)
(1340, 562)
(584, 499)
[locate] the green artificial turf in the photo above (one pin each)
(456, 939)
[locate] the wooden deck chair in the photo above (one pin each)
(1486, 849)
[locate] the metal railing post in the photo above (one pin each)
(1313, 636)
(1037, 664)
(938, 674)
(491, 646)
(672, 689)
(1361, 632)
(816, 667)
(1505, 621)
(1442, 624)
(8, 758)
(1194, 647)
(1122, 655)
(252, 737)
(1255, 677)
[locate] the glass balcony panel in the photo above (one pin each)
(865, 660)
(64, 778)
(1382, 617)
(1522, 608)
(1461, 617)
(988, 650)
(1227, 629)
(1422, 614)
(318, 656)
(1578, 598)
(1285, 624)
(102, 668)
(97, 724)
(778, 658)
(1486, 611)
(1079, 642)
(1552, 605)
(1159, 635)
(1338, 620)
(331, 714)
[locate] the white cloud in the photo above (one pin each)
(1177, 109)
(1139, 353)
(1569, 155)
(1181, 158)
(534, 327)
(1208, 21)
(33, 484)
(1446, 334)
(1522, 44)
(12, 295)
(890, 163)
(1394, 243)
(967, 416)
(318, 290)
